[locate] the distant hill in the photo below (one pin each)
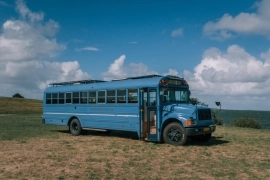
(20, 106)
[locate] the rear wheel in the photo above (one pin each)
(175, 134)
(75, 127)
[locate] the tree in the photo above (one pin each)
(17, 95)
(196, 101)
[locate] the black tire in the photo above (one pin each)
(175, 134)
(75, 127)
(202, 138)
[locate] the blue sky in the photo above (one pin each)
(222, 48)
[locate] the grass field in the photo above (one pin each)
(31, 150)
(20, 106)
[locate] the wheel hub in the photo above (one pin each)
(174, 135)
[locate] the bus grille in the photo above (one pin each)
(204, 114)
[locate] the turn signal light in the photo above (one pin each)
(189, 122)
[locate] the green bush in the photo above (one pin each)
(246, 122)
(217, 120)
(17, 95)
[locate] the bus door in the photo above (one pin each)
(149, 114)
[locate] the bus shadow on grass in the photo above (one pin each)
(120, 134)
(214, 141)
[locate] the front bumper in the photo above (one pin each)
(200, 130)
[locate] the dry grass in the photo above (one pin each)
(19, 106)
(233, 153)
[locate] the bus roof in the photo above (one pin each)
(131, 82)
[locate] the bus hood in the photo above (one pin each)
(187, 110)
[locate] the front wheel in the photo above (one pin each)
(75, 127)
(175, 134)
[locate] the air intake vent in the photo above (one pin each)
(204, 114)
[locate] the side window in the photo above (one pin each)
(121, 96)
(133, 96)
(92, 97)
(68, 98)
(61, 98)
(111, 96)
(83, 96)
(101, 96)
(49, 98)
(54, 98)
(76, 99)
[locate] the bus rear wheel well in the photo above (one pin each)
(168, 121)
(70, 119)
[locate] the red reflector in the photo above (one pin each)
(184, 83)
(164, 81)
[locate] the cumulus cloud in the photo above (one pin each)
(29, 38)
(26, 45)
(118, 69)
(243, 23)
(177, 32)
(234, 74)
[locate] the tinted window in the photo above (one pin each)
(111, 96)
(152, 97)
(49, 98)
(132, 96)
(83, 96)
(61, 98)
(101, 96)
(68, 98)
(121, 96)
(92, 97)
(76, 98)
(54, 98)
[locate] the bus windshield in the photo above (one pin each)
(174, 95)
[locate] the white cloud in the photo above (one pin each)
(172, 72)
(34, 76)
(244, 23)
(26, 13)
(24, 44)
(132, 42)
(118, 69)
(266, 57)
(22, 40)
(177, 32)
(87, 49)
(234, 74)
(3, 3)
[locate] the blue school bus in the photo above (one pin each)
(156, 107)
